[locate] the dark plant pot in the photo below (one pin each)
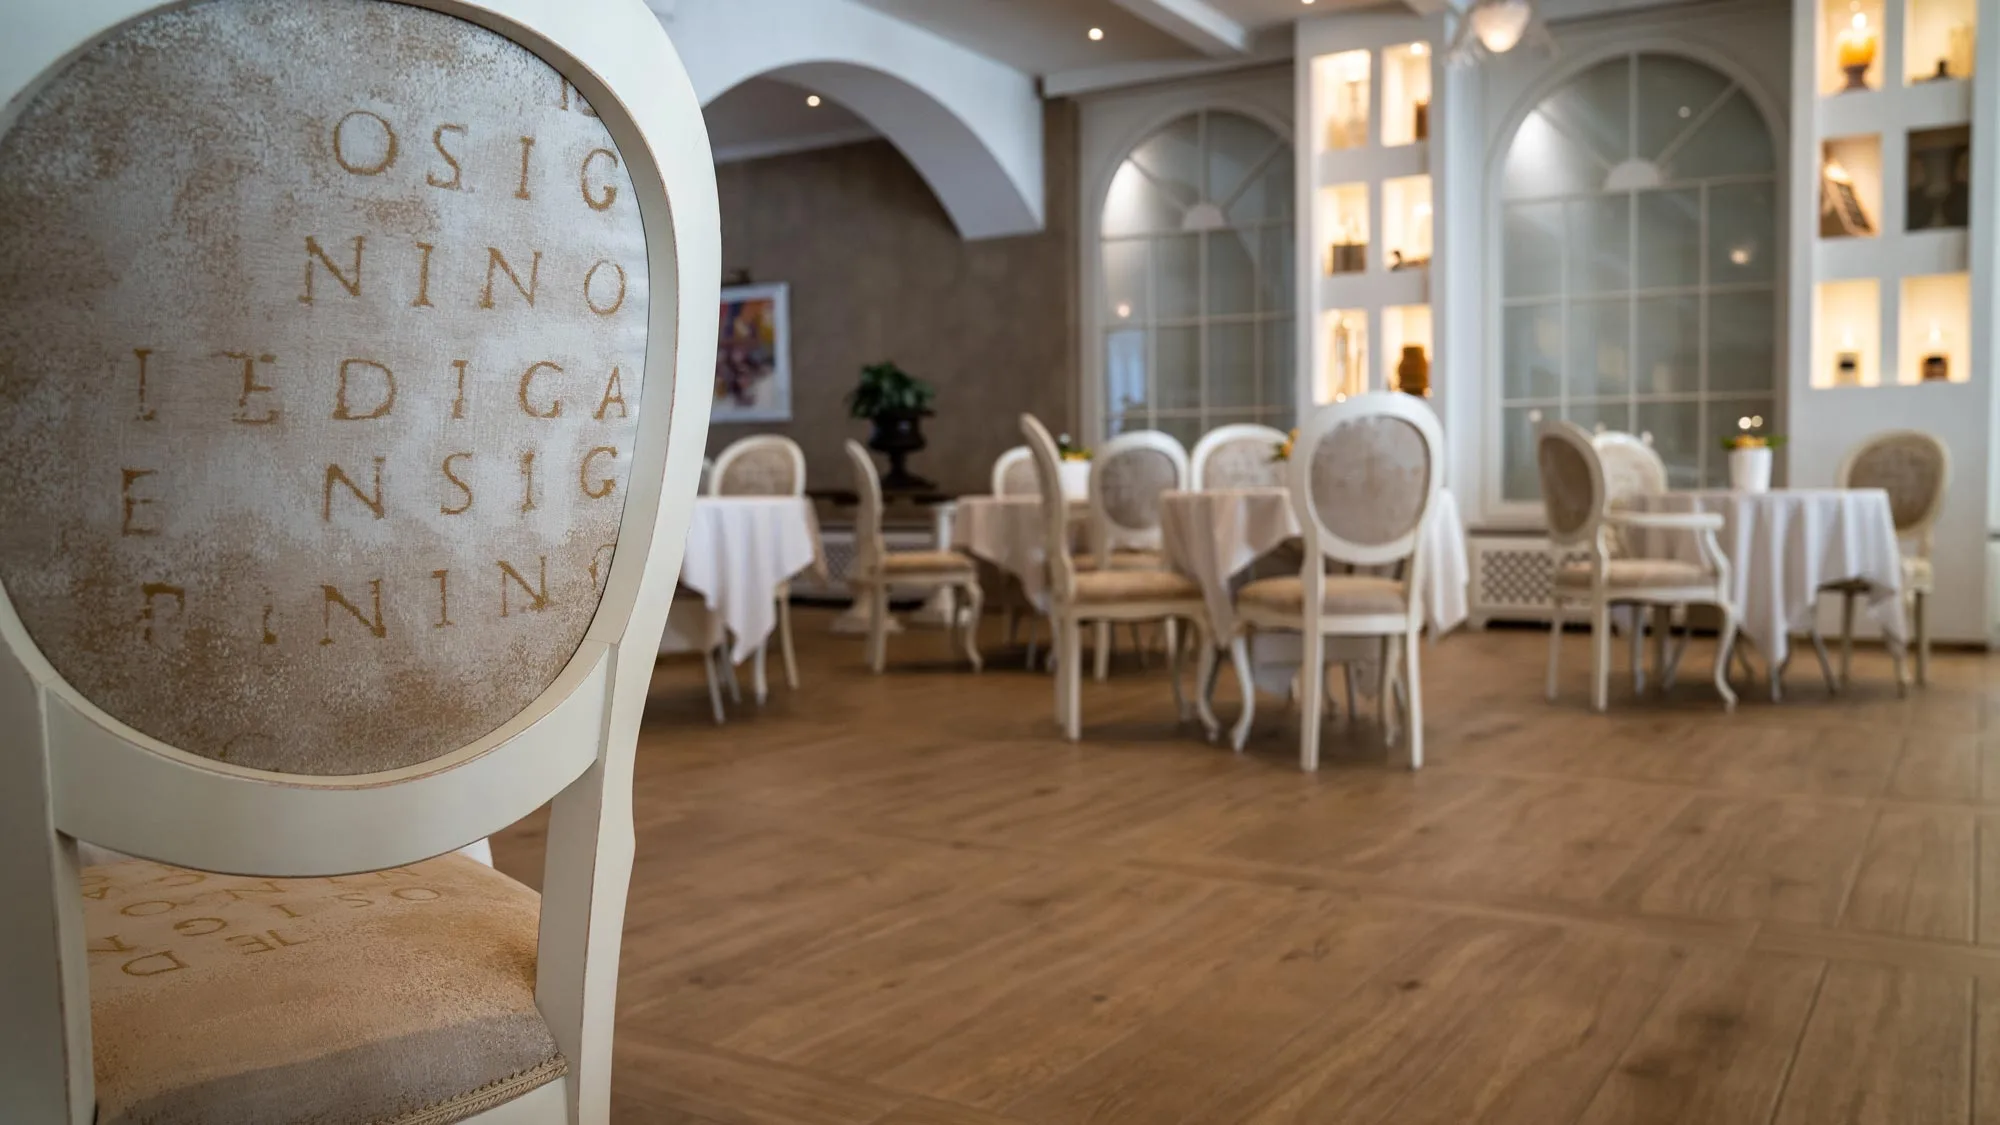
(899, 433)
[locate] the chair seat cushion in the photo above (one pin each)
(400, 997)
(925, 562)
(1344, 594)
(1125, 560)
(1628, 573)
(1117, 586)
(1917, 578)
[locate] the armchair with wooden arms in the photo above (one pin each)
(356, 397)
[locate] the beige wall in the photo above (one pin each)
(878, 273)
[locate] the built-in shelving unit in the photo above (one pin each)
(1892, 262)
(1368, 239)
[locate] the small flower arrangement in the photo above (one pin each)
(1748, 436)
(1068, 450)
(1282, 451)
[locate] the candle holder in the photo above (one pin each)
(1856, 52)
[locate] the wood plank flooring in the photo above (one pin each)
(904, 900)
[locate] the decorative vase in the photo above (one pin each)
(899, 433)
(1075, 478)
(1413, 374)
(1750, 469)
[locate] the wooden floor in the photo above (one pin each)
(904, 901)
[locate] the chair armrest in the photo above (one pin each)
(1667, 521)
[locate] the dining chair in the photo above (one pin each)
(1581, 521)
(1108, 595)
(1240, 455)
(876, 568)
(1363, 476)
(1128, 475)
(1914, 468)
(765, 465)
(1014, 473)
(1634, 470)
(290, 683)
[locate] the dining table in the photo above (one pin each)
(1783, 546)
(1007, 531)
(740, 549)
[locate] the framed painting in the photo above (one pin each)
(753, 355)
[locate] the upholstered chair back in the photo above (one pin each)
(1365, 474)
(1127, 478)
(1573, 487)
(354, 369)
(1243, 455)
(1014, 473)
(869, 546)
(1632, 469)
(759, 465)
(1914, 468)
(1055, 507)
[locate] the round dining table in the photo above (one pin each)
(740, 549)
(1007, 531)
(1783, 545)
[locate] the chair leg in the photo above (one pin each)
(1170, 632)
(1825, 661)
(878, 628)
(1071, 673)
(1413, 687)
(1035, 630)
(785, 647)
(714, 683)
(1204, 683)
(1663, 629)
(1923, 616)
(1638, 646)
(1348, 674)
(1555, 647)
(1100, 650)
(1139, 642)
(1600, 655)
(1846, 635)
(1174, 671)
(1061, 685)
(1312, 676)
(1012, 620)
(975, 600)
(1385, 696)
(760, 684)
(1673, 652)
(729, 673)
(1239, 655)
(1725, 644)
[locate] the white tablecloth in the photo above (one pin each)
(1214, 536)
(1784, 545)
(739, 550)
(1007, 532)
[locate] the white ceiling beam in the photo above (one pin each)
(1267, 49)
(1194, 22)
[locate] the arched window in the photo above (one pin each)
(1639, 266)
(1197, 265)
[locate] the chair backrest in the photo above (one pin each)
(1365, 474)
(347, 491)
(1632, 467)
(868, 543)
(1243, 455)
(759, 465)
(1055, 508)
(1127, 477)
(1014, 473)
(1572, 483)
(1914, 468)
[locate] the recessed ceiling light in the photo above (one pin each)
(1306, 2)
(812, 100)
(1096, 33)
(1420, 48)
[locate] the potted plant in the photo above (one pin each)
(1073, 467)
(1750, 456)
(895, 403)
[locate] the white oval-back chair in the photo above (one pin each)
(1106, 595)
(1128, 475)
(296, 610)
(1014, 473)
(1581, 520)
(764, 465)
(1365, 474)
(876, 568)
(1241, 455)
(1914, 468)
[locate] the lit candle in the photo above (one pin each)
(1856, 47)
